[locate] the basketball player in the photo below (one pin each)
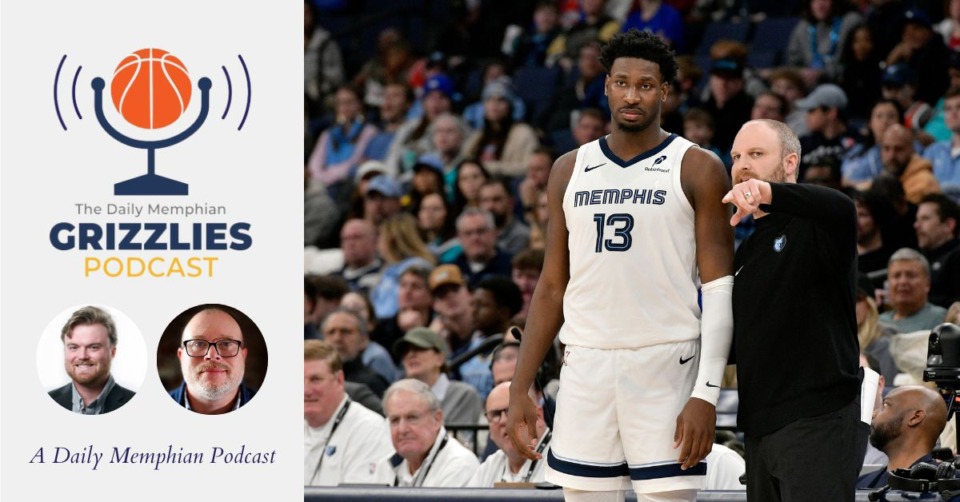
(636, 226)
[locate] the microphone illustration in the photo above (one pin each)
(151, 90)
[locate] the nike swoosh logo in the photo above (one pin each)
(687, 360)
(591, 168)
(711, 385)
(738, 271)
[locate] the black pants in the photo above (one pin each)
(811, 459)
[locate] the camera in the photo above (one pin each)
(943, 357)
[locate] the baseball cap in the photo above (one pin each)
(898, 75)
(429, 161)
(421, 338)
(384, 185)
(439, 82)
(444, 275)
(917, 16)
(368, 167)
(727, 67)
(824, 96)
(498, 88)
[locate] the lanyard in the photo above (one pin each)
(820, 59)
(422, 474)
(336, 423)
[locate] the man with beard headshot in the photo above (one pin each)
(906, 428)
(89, 345)
(212, 358)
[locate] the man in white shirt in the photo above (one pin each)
(342, 440)
(507, 465)
(424, 456)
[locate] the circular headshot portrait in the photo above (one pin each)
(91, 359)
(212, 359)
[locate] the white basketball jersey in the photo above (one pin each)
(633, 258)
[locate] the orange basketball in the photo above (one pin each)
(151, 88)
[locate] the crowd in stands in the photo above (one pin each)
(425, 174)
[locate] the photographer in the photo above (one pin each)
(905, 428)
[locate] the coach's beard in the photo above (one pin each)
(209, 390)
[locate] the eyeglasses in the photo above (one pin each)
(200, 348)
(496, 415)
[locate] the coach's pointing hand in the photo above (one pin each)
(695, 432)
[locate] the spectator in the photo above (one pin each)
(789, 84)
(394, 62)
(824, 173)
(361, 180)
(436, 222)
(936, 128)
(361, 266)
(903, 163)
(452, 303)
(872, 212)
(400, 247)
(411, 140)
(507, 465)
(340, 148)
(862, 163)
(591, 125)
(909, 276)
(344, 330)
(513, 235)
(310, 331)
(447, 135)
(861, 71)
(530, 49)
(818, 40)
(937, 221)
(341, 438)
(470, 177)
(924, 52)
(424, 357)
(659, 18)
(538, 222)
(949, 27)
(424, 456)
(538, 173)
(527, 266)
(481, 257)
(727, 100)
(873, 337)
(414, 306)
(495, 301)
(899, 82)
(322, 62)
(427, 179)
(906, 430)
(943, 154)
(769, 105)
(585, 92)
(381, 200)
(329, 292)
(502, 144)
(373, 355)
(594, 25)
(828, 137)
(698, 128)
(397, 99)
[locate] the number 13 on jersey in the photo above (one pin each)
(621, 224)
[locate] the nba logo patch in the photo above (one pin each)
(779, 243)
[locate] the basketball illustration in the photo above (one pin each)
(151, 88)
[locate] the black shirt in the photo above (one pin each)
(795, 326)
(944, 273)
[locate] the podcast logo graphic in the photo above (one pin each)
(151, 89)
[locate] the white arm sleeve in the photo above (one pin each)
(716, 334)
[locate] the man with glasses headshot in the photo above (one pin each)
(212, 359)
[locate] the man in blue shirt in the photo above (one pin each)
(945, 155)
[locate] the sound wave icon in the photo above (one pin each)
(62, 66)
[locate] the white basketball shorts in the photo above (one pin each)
(616, 416)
